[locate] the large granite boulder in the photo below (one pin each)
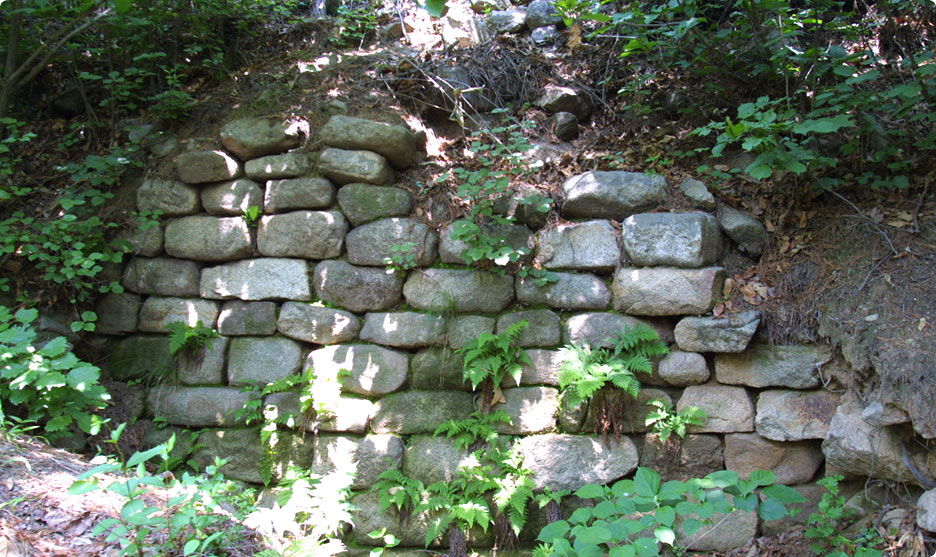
(346, 167)
(373, 243)
(403, 329)
(611, 194)
(794, 367)
(570, 291)
(666, 290)
(458, 290)
(161, 276)
(728, 409)
(362, 203)
(205, 238)
(257, 279)
(232, 198)
(250, 138)
(275, 167)
(744, 229)
(170, 197)
(262, 360)
(671, 239)
(361, 368)
(358, 289)
(587, 246)
(199, 167)
(239, 318)
(792, 463)
(412, 412)
(713, 334)
(570, 461)
(197, 406)
(305, 234)
(298, 193)
(398, 144)
(158, 312)
(317, 324)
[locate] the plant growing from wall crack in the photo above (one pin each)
(490, 358)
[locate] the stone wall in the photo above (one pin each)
(307, 288)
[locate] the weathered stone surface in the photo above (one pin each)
(543, 369)
(611, 195)
(146, 242)
(398, 144)
(206, 367)
(590, 246)
(306, 234)
(298, 193)
(795, 367)
(860, 448)
(161, 276)
(813, 493)
(543, 35)
(671, 239)
(257, 279)
(346, 167)
(525, 203)
(197, 406)
(438, 369)
(344, 414)
(434, 459)
(744, 229)
(710, 334)
(138, 356)
(317, 324)
(634, 413)
(570, 461)
(531, 410)
(570, 291)
(458, 290)
(419, 411)
(208, 238)
(565, 125)
(262, 360)
(541, 13)
(244, 452)
(404, 329)
(699, 455)
(249, 138)
(157, 313)
(362, 203)
(516, 236)
(364, 457)
(199, 167)
(171, 197)
(372, 243)
(232, 198)
(597, 328)
(926, 511)
(507, 21)
(571, 417)
(666, 290)
(275, 167)
(729, 409)
(118, 314)
(792, 463)
(368, 370)
(875, 413)
(697, 194)
(543, 327)
(358, 289)
(724, 533)
(559, 99)
(684, 368)
(247, 318)
(461, 329)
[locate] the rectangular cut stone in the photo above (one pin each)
(318, 324)
(784, 415)
(204, 238)
(571, 461)
(272, 167)
(543, 327)
(198, 167)
(257, 279)
(197, 406)
(117, 314)
(570, 291)
(206, 366)
(361, 368)
(419, 411)
(795, 367)
(404, 329)
(161, 276)
(531, 410)
(298, 193)
(589, 246)
(728, 409)
(247, 318)
(365, 457)
(792, 463)
(666, 290)
(306, 234)
(157, 313)
(458, 290)
(262, 360)
(344, 414)
(671, 239)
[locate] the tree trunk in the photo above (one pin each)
(553, 512)
(458, 545)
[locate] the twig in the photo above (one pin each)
(862, 215)
(916, 210)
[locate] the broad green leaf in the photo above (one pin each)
(761, 478)
(646, 482)
(26, 315)
(822, 125)
(191, 546)
(604, 509)
(665, 516)
(772, 509)
(552, 531)
(622, 551)
(580, 515)
(55, 347)
(646, 547)
(665, 534)
(590, 491)
(80, 487)
(592, 534)
(435, 7)
(139, 457)
(784, 494)
(691, 526)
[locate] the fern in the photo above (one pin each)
(478, 428)
(585, 370)
(666, 422)
(192, 339)
(395, 488)
(494, 357)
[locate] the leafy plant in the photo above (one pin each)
(585, 370)
(194, 518)
(490, 358)
(389, 540)
(826, 526)
(45, 384)
(639, 516)
(475, 430)
(189, 338)
(665, 421)
(402, 257)
(252, 215)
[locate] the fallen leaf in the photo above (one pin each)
(754, 301)
(896, 223)
(922, 324)
(905, 216)
(770, 226)
(575, 37)
(718, 309)
(748, 292)
(803, 219)
(729, 286)
(760, 288)
(876, 215)
(498, 396)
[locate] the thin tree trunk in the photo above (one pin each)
(458, 545)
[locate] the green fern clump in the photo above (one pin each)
(494, 357)
(665, 422)
(585, 370)
(479, 428)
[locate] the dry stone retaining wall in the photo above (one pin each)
(306, 288)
